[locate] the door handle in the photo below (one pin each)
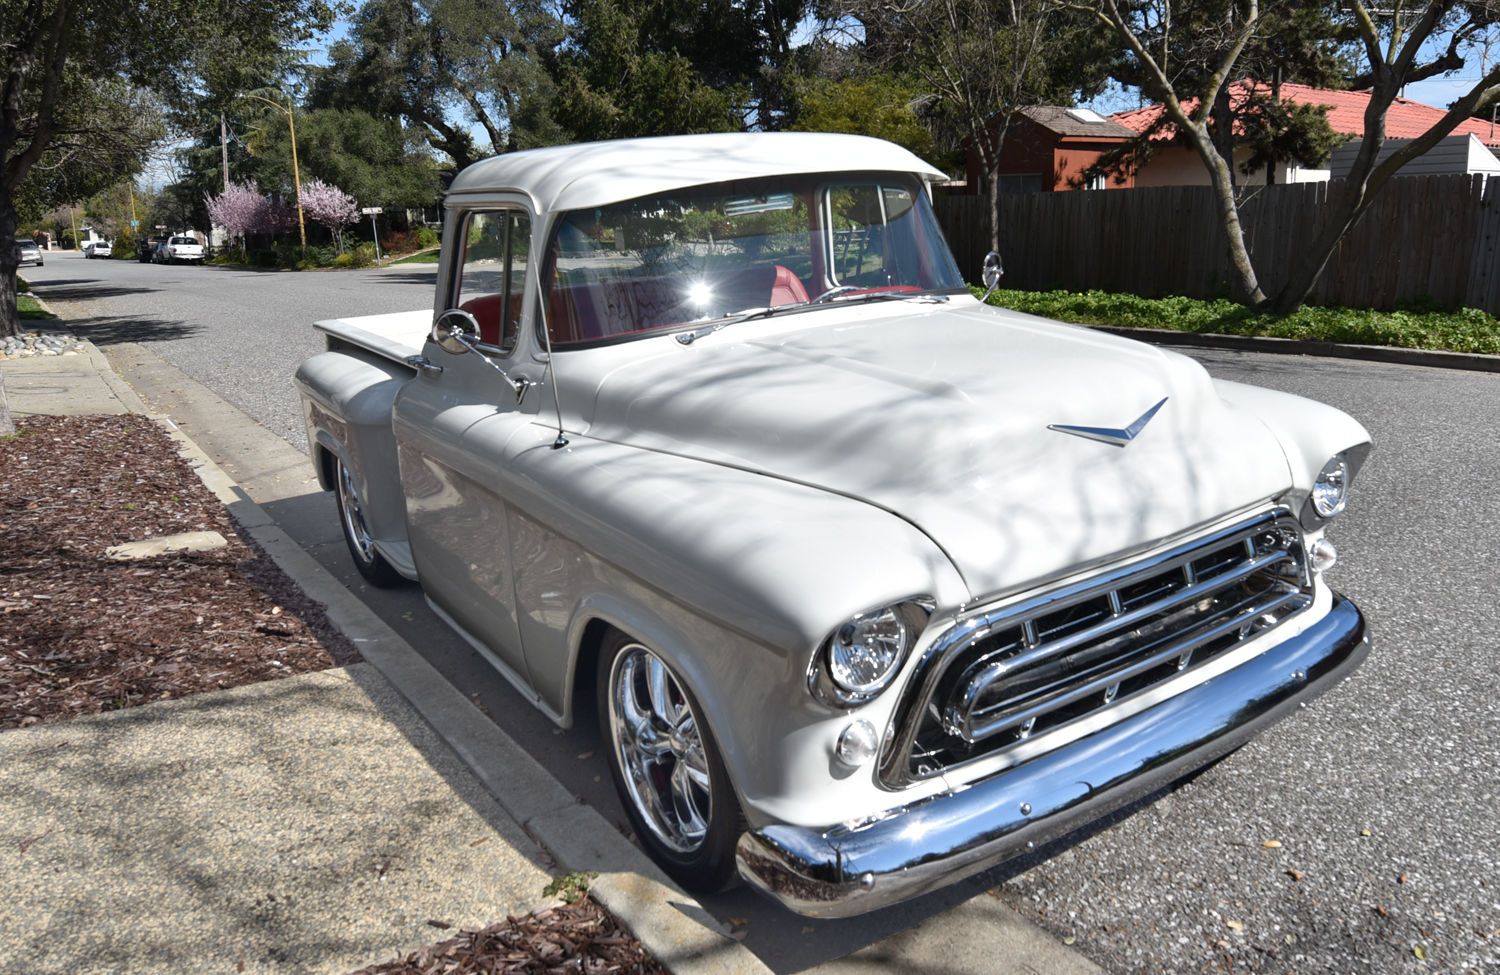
(424, 365)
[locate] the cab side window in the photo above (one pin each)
(492, 278)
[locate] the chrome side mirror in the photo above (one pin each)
(455, 331)
(991, 275)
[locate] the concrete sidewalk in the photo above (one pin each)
(311, 824)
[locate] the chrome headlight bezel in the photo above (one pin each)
(1316, 513)
(824, 681)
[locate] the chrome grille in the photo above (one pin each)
(1036, 666)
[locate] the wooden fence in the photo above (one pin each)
(1432, 239)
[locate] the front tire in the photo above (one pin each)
(666, 767)
(370, 563)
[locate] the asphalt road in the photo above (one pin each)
(245, 330)
(1384, 795)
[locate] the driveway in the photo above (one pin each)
(1384, 796)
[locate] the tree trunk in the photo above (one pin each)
(1344, 211)
(994, 187)
(10, 259)
(1221, 176)
(1343, 214)
(1223, 119)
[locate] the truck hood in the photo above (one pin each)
(941, 415)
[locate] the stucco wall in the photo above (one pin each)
(1180, 166)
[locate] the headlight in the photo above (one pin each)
(862, 657)
(1330, 492)
(864, 653)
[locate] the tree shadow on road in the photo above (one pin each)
(85, 289)
(406, 277)
(118, 329)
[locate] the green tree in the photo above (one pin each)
(375, 160)
(63, 57)
(442, 66)
(876, 104)
(983, 60)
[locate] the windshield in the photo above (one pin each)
(702, 253)
(184, 240)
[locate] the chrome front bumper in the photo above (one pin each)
(841, 872)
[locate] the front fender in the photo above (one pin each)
(1309, 432)
(734, 578)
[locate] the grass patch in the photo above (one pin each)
(27, 307)
(421, 257)
(1467, 330)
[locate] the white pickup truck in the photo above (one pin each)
(870, 584)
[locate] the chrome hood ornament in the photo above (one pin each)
(1109, 435)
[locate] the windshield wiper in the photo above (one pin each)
(927, 296)
(689, 337)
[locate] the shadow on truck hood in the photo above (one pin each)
(941, 416)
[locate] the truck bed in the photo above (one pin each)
(395, 336)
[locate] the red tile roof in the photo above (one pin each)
(1406, 119)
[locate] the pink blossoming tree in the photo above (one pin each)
(331, 207)
(242, 209)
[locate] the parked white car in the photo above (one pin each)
(98, 247)
(871, 585)
(30, 252)
(179, 247)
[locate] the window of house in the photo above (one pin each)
(492, 278)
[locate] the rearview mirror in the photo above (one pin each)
(992, 272)
(456, 331)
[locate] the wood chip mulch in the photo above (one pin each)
(572, 938)
(80, 634)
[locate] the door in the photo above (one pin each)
(452, 425)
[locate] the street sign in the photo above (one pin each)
(134, 224)
(371, 211)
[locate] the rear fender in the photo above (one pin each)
(346, 401)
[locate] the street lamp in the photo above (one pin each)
(291, 124)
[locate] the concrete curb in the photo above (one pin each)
(673, 926)
(1260, 343)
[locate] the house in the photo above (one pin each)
(1048, 148)
(1453, 155)
(1179, 165)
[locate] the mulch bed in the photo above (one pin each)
(572, 938)
(80, 634)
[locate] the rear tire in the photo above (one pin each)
(666, 767)
(370, 563)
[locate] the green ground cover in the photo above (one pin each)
(1466, 330)
(27, 307)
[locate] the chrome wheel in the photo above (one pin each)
(354, 517)
(660, 749)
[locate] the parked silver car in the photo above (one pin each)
(30, 252)
(870, 584)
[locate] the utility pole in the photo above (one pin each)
(296, 176)
(73, 217)
(224, 149)
(291, 124)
